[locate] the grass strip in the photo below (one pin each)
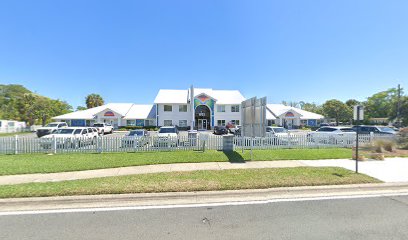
(191, 181)
(42, 163)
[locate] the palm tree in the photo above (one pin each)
(94, 100)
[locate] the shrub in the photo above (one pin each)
(381, 145)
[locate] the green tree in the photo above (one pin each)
(352, 102)
(337, 109)
(94, 100)
(403, 111)
(313, 107)
(380, 105)
(19, 103)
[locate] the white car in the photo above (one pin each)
(276, 131)
(103, 128)
(167, 136)
(68, 137)
(50, 128)
(332, 135)
(278, 136)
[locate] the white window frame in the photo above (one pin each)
(167, 120)
(183, 125)
(148, 122)
(167, 105)
(235, 122)
(235, 108)
(183, 106)
(220, 108)
(221, 122)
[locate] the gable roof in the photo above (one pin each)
(279, 109)
(127, 110)
(141, 112)
(182, 96)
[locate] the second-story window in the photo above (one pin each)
(235, 108)
(168, 108)
(183, 108)
(220, 108)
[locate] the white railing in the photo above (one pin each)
(21, 144)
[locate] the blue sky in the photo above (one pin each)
(127, 50)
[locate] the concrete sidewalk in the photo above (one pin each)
(111, 172)
(389, 170)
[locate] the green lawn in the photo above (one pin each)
(191, 181)
(42, 163)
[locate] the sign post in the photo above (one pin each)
(358, 115)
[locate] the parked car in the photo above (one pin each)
(276, 131)
(50, 128)
(234, 129)
(135, 138)
(68, 137)
(364, 129)
(231, 127)
(93, 131)
(332, 134)
(220, 130)
(103, 128)
(166, 136)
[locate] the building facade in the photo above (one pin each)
(200, 108)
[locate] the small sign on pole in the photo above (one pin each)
(358, 112)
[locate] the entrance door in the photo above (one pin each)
(202, 124)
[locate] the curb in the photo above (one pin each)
(205, 197)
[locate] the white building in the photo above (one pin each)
(202, 108)
(9, 126)
(291, 117)
(208, 108)
(117, 114)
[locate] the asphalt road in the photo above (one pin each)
(365, 218)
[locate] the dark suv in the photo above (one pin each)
(373, 129)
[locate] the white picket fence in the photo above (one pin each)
(24, 145)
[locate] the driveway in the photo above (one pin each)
(389, 170)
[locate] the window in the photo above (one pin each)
(167, 123)
(271, 122)
(183, 123)
(221, 122)
(220, 108)
(168, 108)
(149, 122)
(130, 123)
(235, 122)
(183, 108)
(235, 108)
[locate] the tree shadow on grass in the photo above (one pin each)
(234, 157)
